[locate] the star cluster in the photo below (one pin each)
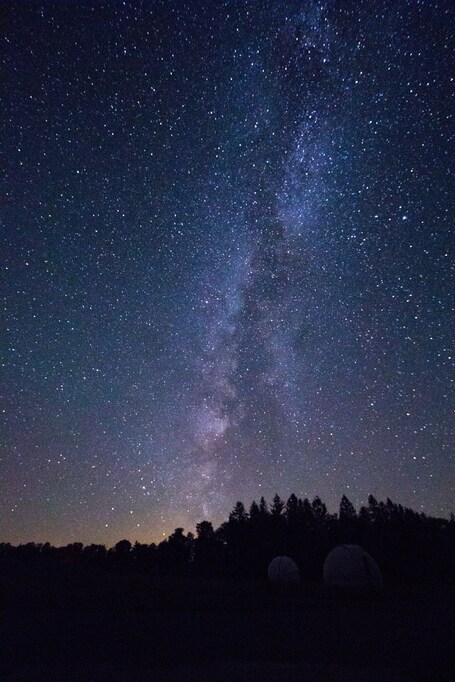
(228, 268)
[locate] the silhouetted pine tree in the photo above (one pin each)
(277, 506)
(254, 510)
(238, 514)
(347, 522)
(263, 508)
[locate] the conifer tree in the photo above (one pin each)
(238, 514)
(254, 510)
(263, 508)
(347, 510)
(277, 506)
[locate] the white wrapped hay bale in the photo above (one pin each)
(350, 566)
(283, 569)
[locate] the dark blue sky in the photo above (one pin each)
(227, 269)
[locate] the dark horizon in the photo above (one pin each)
(334, 518)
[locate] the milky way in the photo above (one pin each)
(228, 269)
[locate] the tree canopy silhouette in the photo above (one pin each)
(409, 547)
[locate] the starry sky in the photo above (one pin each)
(227, 269)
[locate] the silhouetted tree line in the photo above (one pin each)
(410, 547)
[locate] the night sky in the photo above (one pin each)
(227, 267)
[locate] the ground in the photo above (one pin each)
(123, 627)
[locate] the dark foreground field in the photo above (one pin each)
(74, 626)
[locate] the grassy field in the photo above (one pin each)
(73, 625)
